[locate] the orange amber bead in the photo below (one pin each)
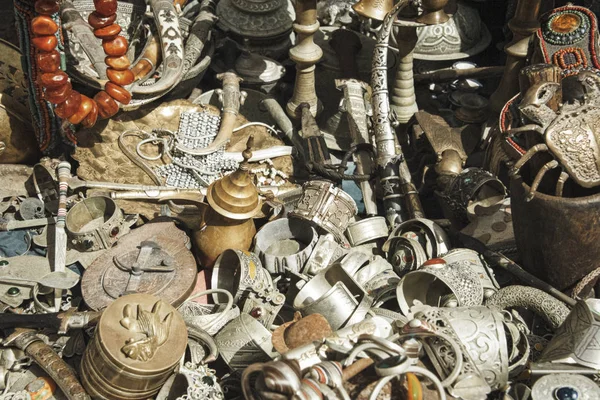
(70, 106)
(107, 107)
(108, 33)
(98, 21)
(43, 25)
(116, 47)
(106, 8)
(122, 78)
(48, 61)
(91, 118)
(118, 63)
(46, 7)
(58, 95)
(45, 43)
(118, 93)
(85, 107)
(54, 80)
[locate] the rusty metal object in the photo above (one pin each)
(111, 276)
(300, 331)
(45, 357)
(557, 237)
(130, 357)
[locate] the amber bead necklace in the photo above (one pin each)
(70, 104)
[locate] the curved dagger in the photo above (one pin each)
(167, 24)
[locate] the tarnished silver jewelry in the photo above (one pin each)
(327, 207)
(565, 386)
(326, 251)
(96, 223)
(366, 230)
(244, 341)
(202, 383)
(285, 244)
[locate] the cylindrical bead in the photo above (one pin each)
(91, 118)
(70, 106)
(109, 32)
(85, 107)
(43, 25)
(107, 107)
(122, 78)
(48, 61)
(118, 93)
(98, 21)
(118, 63)
(54, 80)
(45, 43)
(46, 7)
(106, 8)
(58, 95)
(115, 47)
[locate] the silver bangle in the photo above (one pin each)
(285, 244)
(327, 207)
(366, 230)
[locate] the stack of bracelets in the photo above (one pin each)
(70, 104)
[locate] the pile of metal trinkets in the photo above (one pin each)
(277, 199)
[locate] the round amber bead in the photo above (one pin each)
(115, 47)
(85, 107)
(119, 63)
(106, 8)
(91, 118)
(45, 43)
(54, 80)
(118, 93)
(122, 78)
(48, 61)
(43, 25)
(109, 32)
(58, 95)
(70, 106)
(107, 107)
(97, 21)
(46, 7)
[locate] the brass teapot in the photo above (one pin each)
(227, 222)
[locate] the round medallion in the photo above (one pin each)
(566, 27)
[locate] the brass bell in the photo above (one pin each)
(227, 223)
(433, 12)
(374, 9)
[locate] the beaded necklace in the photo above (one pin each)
(70, 104)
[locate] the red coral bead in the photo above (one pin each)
(118, 93)
(85, 107)
(116, 47)
(106, 8)
(107, 107)
(48, 61)
(122, 78)
(43, 25)
(45, 43)
(46, 7)
(58, 95)
(108, 33)
(54, 80)
(70, 106)
(92, 117)
(98, 21)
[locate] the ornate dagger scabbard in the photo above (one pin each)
(60, 237)
(316, 148)
(232, 99)
(49, 361)
(394, 175)
(74, 23)
(356, 113)
(172, 49)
